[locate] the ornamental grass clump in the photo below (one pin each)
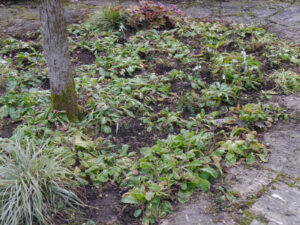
(33, 184)
(110, 18)
(146, 14)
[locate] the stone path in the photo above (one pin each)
(280, 17)
(268, 193)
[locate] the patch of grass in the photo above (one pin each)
(33, 184)
(286, 81)
(109, 18)
(4, 71)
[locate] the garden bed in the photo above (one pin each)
(167, 108)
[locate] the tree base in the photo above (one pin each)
(67, 101)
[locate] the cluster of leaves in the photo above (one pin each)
(173, 167)
(123, 97)
(241, 70)
(236, 148)
(255, 113)
(149, 14)
(171, 170)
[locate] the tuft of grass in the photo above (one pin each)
(32, 184)
(110, 18)
(287, 81)
(4, 70)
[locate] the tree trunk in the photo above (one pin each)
(62, 85)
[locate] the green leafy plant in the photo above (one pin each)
(217, 93)
(248, 149)
(125, 97)
(238, 68)
(33, 184)
(251, 113)
(152, 15)
(189, 102)
(164, 120)
(174, 167)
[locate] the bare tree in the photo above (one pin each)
(62, 85)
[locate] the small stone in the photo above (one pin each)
(268, 124)
(135, 172)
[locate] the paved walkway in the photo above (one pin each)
(280, 17)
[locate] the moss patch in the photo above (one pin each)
(67, 101)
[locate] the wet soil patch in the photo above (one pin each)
(162, 68)
(46, 84)
(180, 87)
(106, 206)
(134, 133)
(83, 57)
(7, 127)
(2, 90)
(29, 50)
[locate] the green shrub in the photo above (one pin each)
(32, 184)
(152, 15)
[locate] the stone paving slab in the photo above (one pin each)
(198, 211)
(297, 184)
(284, 140)
(288, 16)
(255, 222)
(282, 18)
(280, 205)
(248, 181)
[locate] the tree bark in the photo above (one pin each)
(62, 85)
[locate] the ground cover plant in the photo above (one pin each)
(168, 103)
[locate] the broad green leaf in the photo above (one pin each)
(195, 163)
(146, 165)
(105, 129)
(183, 186)
(81, 143)
(204, 184)
(210, 171)
(250, 159)
(3, 112)
(129, 200)
(183, 196)
(137, 213)
(149, 195)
